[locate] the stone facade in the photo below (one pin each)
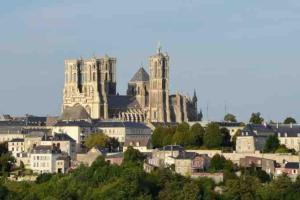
(91, 84)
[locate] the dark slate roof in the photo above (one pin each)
(12, 123)
(230, 124)
(187, 155)
(17, 140)
(122, 102)
(60, 137)
(80, 123)
(140, 75)
(258, 130)
(271, 129)
(172, 147)
(120, 124)
(289, 130)
(162, 124)
(292, 165)
(143, 141)
(45, 149)
(74, 113)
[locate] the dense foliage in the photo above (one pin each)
(230, 118)
(289, 120)
(192, 137)
(129, 181)
(256, 118)
(101, 140)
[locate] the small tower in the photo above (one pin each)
(159, 109)
(138, 86)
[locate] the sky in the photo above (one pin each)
(242, 54)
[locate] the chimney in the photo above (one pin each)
(277, 125)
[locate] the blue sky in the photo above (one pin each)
(241, 53)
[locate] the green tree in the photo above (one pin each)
(158, 137)
(272, 144)
(217, 163)
(230, 118)
(289, 120)
(181, 135)
(225, 137)
(212, 136)
(196, 135)
(244, 188)
(256, 118)
(96, 140)
(133, 155)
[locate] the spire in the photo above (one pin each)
(159, 48)
(195, 96)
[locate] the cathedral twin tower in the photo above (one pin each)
(90, 91)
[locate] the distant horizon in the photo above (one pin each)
(240, 54)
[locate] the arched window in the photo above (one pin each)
(94, 76)
(74, 77)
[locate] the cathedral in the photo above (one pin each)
(90, 86)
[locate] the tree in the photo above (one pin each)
(243, 188)
(272, 144)
(217, 163)
(225, 137)
(181, 135)
(212, 136)
(157, 137)
(230, 118)
(196, 134)
(256, 118)
(133, 155)
(96, 140)
(289, 120)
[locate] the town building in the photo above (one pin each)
(120, 130)
(77, 130)
(16, 146)
(254, 136)
(188, 163)
(264, 164)
(141, 143)
(90, 84)
(89, 157)
(48, 159)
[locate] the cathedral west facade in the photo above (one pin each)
(90, 85)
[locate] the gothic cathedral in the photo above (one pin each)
(90, 87)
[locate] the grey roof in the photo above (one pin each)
(17, 140)
(143, 141)
(189, 155)
(292, 165)
(258, 130)
(122, 102)
(288, 130)
(74, 113)
(172, 148)
(60, 137)
(140, 75)
(271, 129)
(45, 149)
(80, 123)
(120, 124)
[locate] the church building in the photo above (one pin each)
(90, 86)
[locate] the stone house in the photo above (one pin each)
(188, 163)
(266, 165)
